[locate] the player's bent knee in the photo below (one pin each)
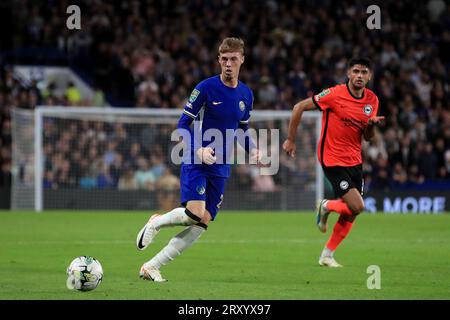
(206, 218)
(359, 209)
(197, 209)
(356, 209)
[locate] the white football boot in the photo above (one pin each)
(151, 273)
(147, 234)
(322, 216)
(328, 261)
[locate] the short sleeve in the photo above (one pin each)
(196, 101)
(323, 100)
(248, 108)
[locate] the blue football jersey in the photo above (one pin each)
(213, 105)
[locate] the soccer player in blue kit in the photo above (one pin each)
(225, 103)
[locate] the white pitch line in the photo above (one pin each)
(224, 241)
(215, 241)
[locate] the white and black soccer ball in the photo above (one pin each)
(84, 274)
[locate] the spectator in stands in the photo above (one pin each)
(267, 93)
(262, 183)
(88, 180)
(73, 95)
(110, 152)
(447, 163)
(49, 180)
(104, 178)
(167, 188)
(414, 176)
(428, 162)
(144, 177)
(399, 176)
(158, 166)
(116, 169)
(127, 181)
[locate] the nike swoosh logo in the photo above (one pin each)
(140, 244)
(216, 102)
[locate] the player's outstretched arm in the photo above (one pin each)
(369, 131)
(296, 117)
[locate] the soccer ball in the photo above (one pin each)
(84, 274)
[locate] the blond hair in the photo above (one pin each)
(232, 45)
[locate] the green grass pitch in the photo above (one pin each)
(243, 255)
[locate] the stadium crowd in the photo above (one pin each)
(150, 54)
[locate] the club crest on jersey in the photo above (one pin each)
(241, 105)
(194, 95)
(368, 109)
(343, 185)
(200, 190)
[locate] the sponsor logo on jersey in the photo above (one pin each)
(194, 95)
(215, 103)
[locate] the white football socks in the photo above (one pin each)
(327, 253)
(176, 246)
(176, 217)
(325, 205)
